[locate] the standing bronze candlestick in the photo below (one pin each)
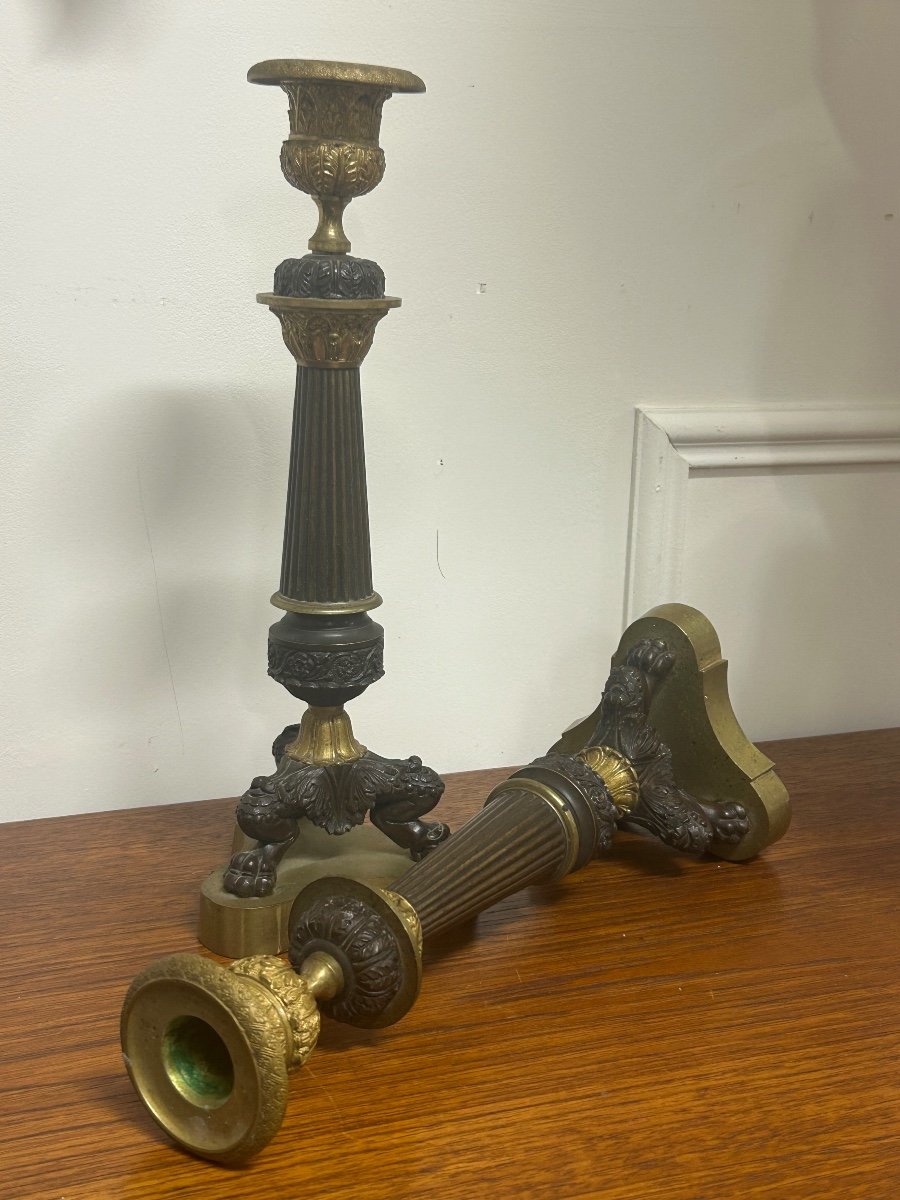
(326, 649)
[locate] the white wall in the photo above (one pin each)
(669, 202)
(781, 520)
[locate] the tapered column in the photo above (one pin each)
(545, 821)
(327, 557)
(326, 649)
(514, 842)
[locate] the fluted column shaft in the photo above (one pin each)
(327, 556)
(517, 840)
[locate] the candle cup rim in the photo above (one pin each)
(280, 71)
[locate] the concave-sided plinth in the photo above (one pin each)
(234, 926)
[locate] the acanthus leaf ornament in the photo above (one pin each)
(328, 333)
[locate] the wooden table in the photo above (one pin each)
(652, 1027)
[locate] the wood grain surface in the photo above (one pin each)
(653, 1026)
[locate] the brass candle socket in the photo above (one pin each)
(208, 1048)
(332, 153)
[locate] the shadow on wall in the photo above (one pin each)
(839, 607)
(849, 342)
(804, 600)
(835, 306)
(172, 511)
(81, 25)
(856, 63)
(830, 336)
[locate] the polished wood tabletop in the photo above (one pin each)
(653, 1026)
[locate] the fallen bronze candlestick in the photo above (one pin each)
(208, 1047)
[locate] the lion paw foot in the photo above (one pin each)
(435, 833)
(652, 657)
(729, 821)
(250, 873)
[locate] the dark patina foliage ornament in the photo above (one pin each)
(330, 277)
(328, 669)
